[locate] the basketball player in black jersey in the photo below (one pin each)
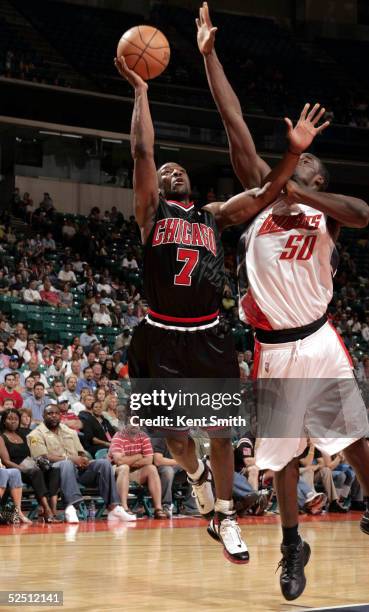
(183, 284)
(252, 171)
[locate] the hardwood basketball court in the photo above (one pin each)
(174, 565)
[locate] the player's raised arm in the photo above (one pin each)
(243, 207)
(346, 210)
(145, 181)
(247, 164)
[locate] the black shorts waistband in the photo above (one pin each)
(182, 323)
(278, 336)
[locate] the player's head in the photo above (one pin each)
(174, 182)
(311, 172)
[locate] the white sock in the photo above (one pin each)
(199, 472)
(223, 505)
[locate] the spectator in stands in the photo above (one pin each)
(110, 412)
(66, 297)
(244, 462)
(132, 453)
(17, 286)
(100, 394)
(68, 231)
(25, 420)
(46, 358)
(48, 243)
(10, 478)
(8, 391)
(31, 353)
(21, 341)
(77, 264)
(49, 295)
(32, 368)
(31, 295)
(129, 318)
(4, 333)
(365, 331)
(37, 403)
(169, 472)
(28, 391)
(87, 382)
(4, 358)
(129, 262)
(109, 369)
(12, 368)
(61, 446)
(97, 370)
(70, 392)
(228, 301)
(87, 338)
(4, 283)
(95, 303)
(66, 275)
(98, 431)
(116, 316)
(85, 402)
(313, 470)
(15, 453)
(102, 317)
(244, 368)
(68, 416)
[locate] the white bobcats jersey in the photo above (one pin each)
(285, 261)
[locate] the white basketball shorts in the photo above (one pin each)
(306, 389)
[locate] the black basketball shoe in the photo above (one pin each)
(225, 529)
(294, 559)
(364, 522)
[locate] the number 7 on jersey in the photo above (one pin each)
(190, 257)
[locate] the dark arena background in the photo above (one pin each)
(71, 295)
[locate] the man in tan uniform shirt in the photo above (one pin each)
(61, 446)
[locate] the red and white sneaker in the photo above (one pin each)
(225, 529)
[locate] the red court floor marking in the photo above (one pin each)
(183, 523)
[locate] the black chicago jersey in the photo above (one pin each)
(183, 262)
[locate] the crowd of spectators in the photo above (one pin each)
(75, 391)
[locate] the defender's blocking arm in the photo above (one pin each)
(243, 207)
(145, 181)
(249, 167)
(346, 210)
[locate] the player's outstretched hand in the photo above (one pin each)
(302, 135)
(132, 77)
(205, 31)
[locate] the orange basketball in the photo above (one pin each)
(146, 51)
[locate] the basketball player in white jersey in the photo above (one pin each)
(288, 249)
